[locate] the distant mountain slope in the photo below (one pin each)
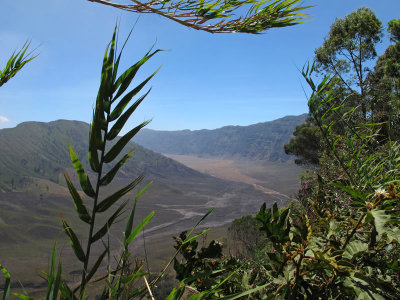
(262, 141)
(40, 150)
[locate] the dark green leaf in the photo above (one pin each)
(128, 280)
(57, 281)
(106, 203)
(138, 228)
(103, 230)
(110, 175)
(115, 130)
(117, 148)
(93, 155)
(356, 193)
(73, 239)
(83, 178)
(96, 265)
(78, 202)
(198, 223)
(50, 277)
(127, 98)
(126, 78)
(129, 224)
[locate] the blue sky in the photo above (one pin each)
(206, 81)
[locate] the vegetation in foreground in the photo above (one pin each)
(341, 239)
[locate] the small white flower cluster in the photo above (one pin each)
(381, 192)
(218, 243)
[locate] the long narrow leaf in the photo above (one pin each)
(93, 155)
(103, 230)
(126, 78)
(115, 130)
(196, 236)
(198, 223)
(117, 148)
(138, 228)
(106, 203)
(78, 202)
(96, 265)
(127, 98)
(83, 178)
(73, 239)
(110, 175)
(50, 276)
(129, 224)
(57, 281)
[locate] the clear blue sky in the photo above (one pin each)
(206, 81)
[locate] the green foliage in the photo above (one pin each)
(106, 125)
(345, 55)
(350, 45)
(15, 63)
(7, 283)
(204, 269)
(394, 30)
(111, 89)
(305, 145)
(222, 16)
(246, 237)
(342, 242)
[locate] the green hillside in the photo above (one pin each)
(40, 150)
(262, 141)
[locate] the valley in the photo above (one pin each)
(34, 156)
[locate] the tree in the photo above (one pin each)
(305, 145)
(346, 53)
(384, 87)
(217, 16)
(348, 48)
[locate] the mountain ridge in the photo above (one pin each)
(260, 141)
(40, 150)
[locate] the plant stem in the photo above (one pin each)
(96, 197)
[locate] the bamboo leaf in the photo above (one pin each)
(196, 236)
(83, 178)
(93, 155)
(96, 265)
(128, 280)
(110, 175)
(129, 224)
(103, 230)
(117, 148)
(50, 276)
(198, 223)
(126, 78)
(57, 281)
(78, 202)
(115, 130)
(73, 239)
(138, 228)
(106, 203)
(127, 98)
